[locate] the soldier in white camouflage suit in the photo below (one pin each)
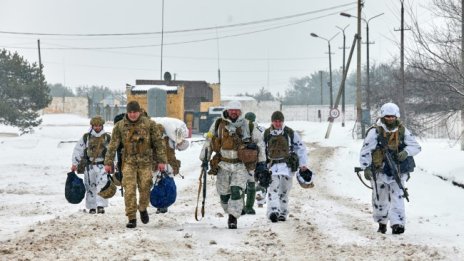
(91, 148)
(286, 154)
(226, 137)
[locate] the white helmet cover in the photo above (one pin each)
(390, 109)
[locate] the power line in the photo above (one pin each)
(184, 30)
(182, 42)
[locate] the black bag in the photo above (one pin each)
(74, 190)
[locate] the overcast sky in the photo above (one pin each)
(259, 54)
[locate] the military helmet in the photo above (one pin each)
(97, 121)
(250, 116)
(109, 189)
(305, 178)
(390, 109)
(117, 178)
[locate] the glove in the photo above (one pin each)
(368, 173)
(402, 155)
(261, 166)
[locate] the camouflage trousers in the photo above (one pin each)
(136, 177)
(231, 175)
(94, 180)
(277, 195)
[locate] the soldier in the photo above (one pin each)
(139, 137)
(286, 153)
(388, 134)
(173, 166)
(89, 154)
(235, 145)
(251, 189)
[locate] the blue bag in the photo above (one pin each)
(74, 190)
(164, 191)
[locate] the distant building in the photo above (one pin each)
(184, 100)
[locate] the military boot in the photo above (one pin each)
(250, 198)
(382, 228)
(144, 216)
(132, 223)
(397, 229)
(232, 222)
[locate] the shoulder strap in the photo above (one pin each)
(251, 127)
(86, 137)
(267, 134)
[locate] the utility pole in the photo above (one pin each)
(40, 57)
(401, 92)
(162, 39)
(343, 73)
(358, 74)
(462, 70)
(330, 64)
(400, 97)
(320, 72)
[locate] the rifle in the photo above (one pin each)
(202, 186)
(395, 170)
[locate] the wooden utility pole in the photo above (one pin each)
(358, 75)
(162, 39)
(462, 70)
(401, 92)
(40, 57)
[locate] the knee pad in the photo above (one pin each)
(235, 192)
(225, 198)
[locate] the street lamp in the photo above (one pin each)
(330, 64)
(343, 87)
(368, 89)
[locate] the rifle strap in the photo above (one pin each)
(200, 179)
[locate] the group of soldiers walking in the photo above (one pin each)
(245, 158)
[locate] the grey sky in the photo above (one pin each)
(248, 62)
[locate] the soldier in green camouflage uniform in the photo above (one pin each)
(139, 136)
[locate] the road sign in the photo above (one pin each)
(334, 113)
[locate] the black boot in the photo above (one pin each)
(274, 217)
(132, 223)
(232, 222)
(92, 211)
(100, 210)
(161, 210)
(382, 228)
(282, 218)
(397, 229)
(144, 216)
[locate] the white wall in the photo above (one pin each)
(74, 105)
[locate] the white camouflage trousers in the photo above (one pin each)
(277, 195)
(229, 175)
(390, 203)
(94, 181)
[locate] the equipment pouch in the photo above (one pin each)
(248, 153)
(82, 164)
(293, 162)
(377, 158)
(214, 164)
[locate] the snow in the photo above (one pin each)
(330, 221)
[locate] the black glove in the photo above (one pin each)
(252, 146)
(261, 166)
(263, 175)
